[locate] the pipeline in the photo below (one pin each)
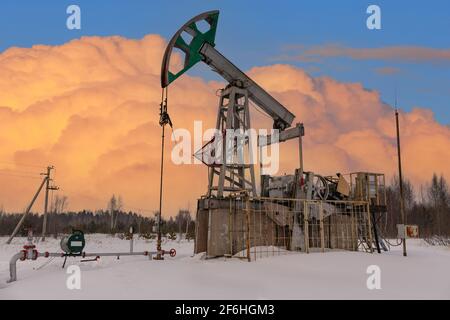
(30, 253)
(26, 255)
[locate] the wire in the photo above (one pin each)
(19, 176)
(260, 110)
(22, 164)
(393, 245)
(18, 171)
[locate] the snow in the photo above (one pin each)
(424, 274)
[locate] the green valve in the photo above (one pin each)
(73, 244)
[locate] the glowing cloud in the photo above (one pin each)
(90, 108)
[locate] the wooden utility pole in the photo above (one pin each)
(47, 188)
(17, 228)
(300, 147)
(400, 176)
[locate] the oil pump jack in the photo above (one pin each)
(225, 177)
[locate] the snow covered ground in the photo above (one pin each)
(424, 274)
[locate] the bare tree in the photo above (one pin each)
(112, 207)
(57, 206)
(119, 207)
(115, 205)
(183, 219)
(61, 203)
(393, 204)
(438, 197)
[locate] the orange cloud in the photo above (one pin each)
(90, 107)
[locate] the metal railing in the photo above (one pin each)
(262, 227)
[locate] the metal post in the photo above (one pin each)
(260, 169)
(158, 241)
(300, 149)
(322, 235)
(305, 225)
(354, 229)
(375, 231)
(369, 228)
(163, 121)
(247, 210)
(402, 203)
(131, 239)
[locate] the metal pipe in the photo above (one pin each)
(118, 254)
(400, 176)
(23, 255)
(163, 125)
(13, 268)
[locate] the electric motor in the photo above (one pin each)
(74, 243)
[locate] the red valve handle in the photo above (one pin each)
(173, 252)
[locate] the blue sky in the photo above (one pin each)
(254, 33)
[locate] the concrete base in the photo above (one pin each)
(222, 228)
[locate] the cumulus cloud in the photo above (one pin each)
(90, 107)
(348, 128)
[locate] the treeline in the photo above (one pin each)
(95, 222)
(427, 206)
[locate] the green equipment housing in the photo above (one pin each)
(74, 243)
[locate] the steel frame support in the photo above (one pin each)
(235, 172)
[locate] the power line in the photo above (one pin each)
(259, 109)
(19, 176)
(23, 164)
(18, 171)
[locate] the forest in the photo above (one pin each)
(428, 207)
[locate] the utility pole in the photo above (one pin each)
(17, 228)
(300, 147)
(47, 188)
(402, 202)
